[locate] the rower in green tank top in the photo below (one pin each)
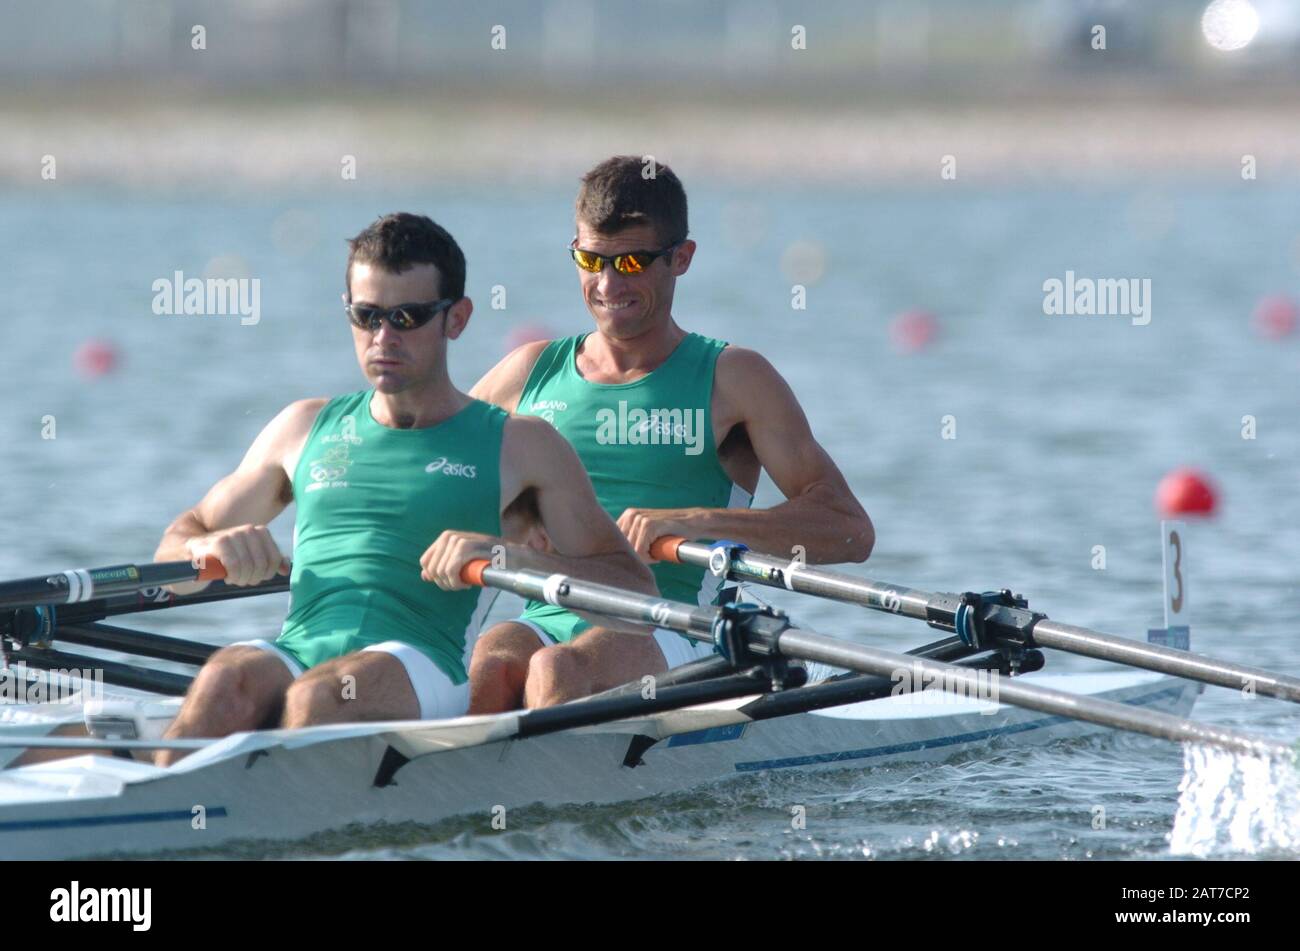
(647, 443)
(674, 429)
(370, 500)
(397, 487)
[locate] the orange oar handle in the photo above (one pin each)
(472, 572)
(665, 548)
(212, 570)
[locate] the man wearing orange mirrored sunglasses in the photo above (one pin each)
(673, 428)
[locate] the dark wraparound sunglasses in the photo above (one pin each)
(401, 317)
(629, 262)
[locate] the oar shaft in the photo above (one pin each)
(1107, 713)
(789, 574)
(1166, 660)
(594, 598)
(83, 584)
(939, 608)
(697, 622)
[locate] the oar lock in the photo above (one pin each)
(747, 636)
(993, 619)
(27, 627)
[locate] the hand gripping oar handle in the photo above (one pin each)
(83, 584)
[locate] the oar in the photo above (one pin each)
(771, 635)
(1005, 623)
(83, 584)
(160, 599)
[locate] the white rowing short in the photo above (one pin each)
(677, 650)
(439, 698)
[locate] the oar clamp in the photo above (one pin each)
(721, 554)
(975, 610)
(746, 635)
(29, 627)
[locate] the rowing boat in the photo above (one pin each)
(746, 711)
(284, 785)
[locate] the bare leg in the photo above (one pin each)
(595, 660)
(47, 755)
(499, 667)
(239, 688)
(367, 685)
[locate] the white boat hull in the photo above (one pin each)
(286, 785)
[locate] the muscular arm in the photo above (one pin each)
(504, 383)
(582, 539)
(229, 521)
(820, 513)
(585, 542)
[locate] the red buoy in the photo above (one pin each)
(1276, 317)
(95, 358)
(913, 330)
(1186, 491)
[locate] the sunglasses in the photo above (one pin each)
(401, 317)
(629, 262)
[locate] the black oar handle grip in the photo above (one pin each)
(665, 548)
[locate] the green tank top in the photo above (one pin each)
(645, 444)
(371, 499)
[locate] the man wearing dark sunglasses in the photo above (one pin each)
(673, 428)
(397, 487)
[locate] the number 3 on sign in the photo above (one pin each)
(1175, 574)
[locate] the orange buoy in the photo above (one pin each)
(1186, 491)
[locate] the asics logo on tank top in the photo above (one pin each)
(461, 469)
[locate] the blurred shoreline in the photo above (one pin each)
(120, 134)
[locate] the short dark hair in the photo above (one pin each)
(627, 190)
(399, 241)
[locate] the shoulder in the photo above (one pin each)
(531, 434)
(284, 435)
(533, 448)
(522, 358)
(296, 419)
(746, 386)
(504, 383)
(744, 368)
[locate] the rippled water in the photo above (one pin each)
(1063, 428)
